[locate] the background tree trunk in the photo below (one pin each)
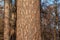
(6, 20)
(28, 20)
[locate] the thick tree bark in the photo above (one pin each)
(28, 20)
(6, 20)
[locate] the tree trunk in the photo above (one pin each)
(28, 20)
(6, 20)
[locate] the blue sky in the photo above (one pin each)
(49, 2)
(2, 3)
(13, 2)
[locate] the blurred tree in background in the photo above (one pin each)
(50, 19)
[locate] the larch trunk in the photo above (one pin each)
(28, 20)
(6, 20)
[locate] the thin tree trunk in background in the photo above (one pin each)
(56, 21)
(6, 20)
(28, 20)
(55, 33)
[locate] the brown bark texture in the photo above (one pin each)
(6, 20)
(28, 20)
